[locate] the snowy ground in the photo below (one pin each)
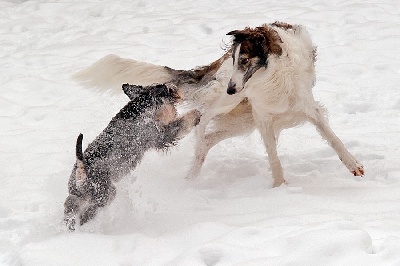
(230, 215)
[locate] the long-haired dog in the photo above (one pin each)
(148, 121)
(263, 81)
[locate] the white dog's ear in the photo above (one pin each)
(240, 35)
(272, 40)
(132, 91)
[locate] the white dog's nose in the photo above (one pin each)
(231, 88)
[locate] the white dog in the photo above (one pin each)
(263, 81)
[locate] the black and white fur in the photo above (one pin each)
(148, 121)
(263, 81)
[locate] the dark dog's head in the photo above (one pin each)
(159, 92)
(250, 51)
(162, 97)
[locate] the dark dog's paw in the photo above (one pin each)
(193, 117)
(70, 223)
(187, 122)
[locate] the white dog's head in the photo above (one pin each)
(250, 51)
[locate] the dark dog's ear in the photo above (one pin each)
(132, 91)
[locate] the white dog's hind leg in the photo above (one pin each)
(321, 123)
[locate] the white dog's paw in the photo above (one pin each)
(357, 169)
(278, 182)
(354, 166)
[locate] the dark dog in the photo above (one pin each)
(148, 121)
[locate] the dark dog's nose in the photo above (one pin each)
(231, 88)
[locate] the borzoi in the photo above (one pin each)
(263, 81)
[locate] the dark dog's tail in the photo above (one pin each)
(79, 153)
(80, 170)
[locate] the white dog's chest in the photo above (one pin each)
(273, 100)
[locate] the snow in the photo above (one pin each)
(230, 215)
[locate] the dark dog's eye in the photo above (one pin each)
(244, 61)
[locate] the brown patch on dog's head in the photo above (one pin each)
(282, 25)
(260, 41)
(273, 39)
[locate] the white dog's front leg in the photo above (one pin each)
(200, 151)
(223, 105)
(267, 132)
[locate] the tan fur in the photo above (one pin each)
(166, 114)
(80, 174)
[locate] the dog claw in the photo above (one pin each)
(359, 170)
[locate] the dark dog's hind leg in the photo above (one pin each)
(71, 209)
(88, 214)
(101, 199)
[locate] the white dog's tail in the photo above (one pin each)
(111, 72)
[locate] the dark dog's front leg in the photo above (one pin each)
(190, 120)
(180, 127)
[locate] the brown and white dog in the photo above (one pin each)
(263, 81)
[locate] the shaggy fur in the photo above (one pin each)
(264, 81)
(148, 121)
